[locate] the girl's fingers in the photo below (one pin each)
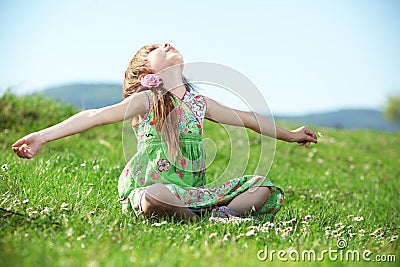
(307, 142)
(314, 135)
(308, 137)
(19, 143)
(310, 133)
(20, 154)
(15, 148)
(22, 151)
(311, 139)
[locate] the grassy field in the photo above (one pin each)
(62, 209)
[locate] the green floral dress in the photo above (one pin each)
(185, 177)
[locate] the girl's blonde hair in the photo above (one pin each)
(164, 110)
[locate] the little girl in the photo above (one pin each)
(166, 177)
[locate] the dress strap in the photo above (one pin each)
(150, 98)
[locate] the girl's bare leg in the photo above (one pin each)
(253, 198)
(158, 200)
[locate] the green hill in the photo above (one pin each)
(86, 95)
(346, 118)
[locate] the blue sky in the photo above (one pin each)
(304, 56)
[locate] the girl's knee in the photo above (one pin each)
(262, 191)
(269, 190)
(262, 195)
(157, 191)
(154, 198)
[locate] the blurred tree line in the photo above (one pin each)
(392, 110)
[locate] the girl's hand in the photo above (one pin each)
(28, 146)
(303, 136)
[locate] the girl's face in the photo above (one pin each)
(163, 57)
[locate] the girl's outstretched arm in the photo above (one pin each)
(252, 120)
(30, 145)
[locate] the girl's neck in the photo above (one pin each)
(173, 82)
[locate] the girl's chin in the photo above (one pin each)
(176, 62)
(176, 59)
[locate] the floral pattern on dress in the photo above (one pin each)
(183, 162)
(138, 170)
(155, 175)
(163, 165)
(197, 106)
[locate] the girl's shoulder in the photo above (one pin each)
(142, 98)
(146, 97)
(140, 95)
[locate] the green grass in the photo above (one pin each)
(64, 212)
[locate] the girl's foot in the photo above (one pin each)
(223, 212)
